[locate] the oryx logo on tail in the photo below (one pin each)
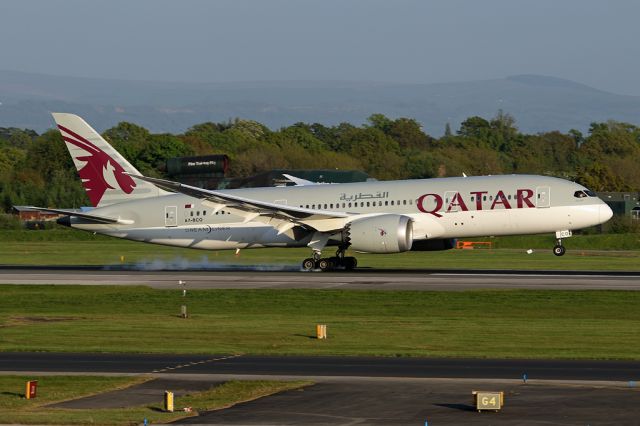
(100, 172)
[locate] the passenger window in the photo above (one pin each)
(192, 214)
(204, 212)
(392, 202)
(404, 202)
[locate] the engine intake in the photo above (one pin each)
(388, 233)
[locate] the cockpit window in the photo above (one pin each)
(590, 193)
(579, 194)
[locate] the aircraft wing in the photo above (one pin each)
(256, 208)
(87, 216)
(299, 181)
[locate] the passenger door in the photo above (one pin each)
(171, 216)
(543, 196)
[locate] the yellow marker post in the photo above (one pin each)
(168, 401)
(321, 331)
(31, 389)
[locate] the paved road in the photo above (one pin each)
(439, 403)
(622, 371)
(361, 280)
(368, 391)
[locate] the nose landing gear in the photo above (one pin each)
(559, 249)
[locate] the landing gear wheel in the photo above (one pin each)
(559, 250)
(324, 264)
(350, 263)
(308, 264)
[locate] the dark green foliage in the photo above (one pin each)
(37, 169)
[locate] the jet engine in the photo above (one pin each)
(389, 233)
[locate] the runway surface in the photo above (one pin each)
(432, 280)
(365, 391)
(372, 367)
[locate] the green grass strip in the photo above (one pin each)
(491, 324)
(14, 408)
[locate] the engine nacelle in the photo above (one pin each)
(434, 245)
(389, 233)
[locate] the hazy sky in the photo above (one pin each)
(592, 42)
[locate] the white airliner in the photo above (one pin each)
(372, 217)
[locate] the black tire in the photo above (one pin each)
(350, 263)
(559, 250)
(309, 264)
(324, 264)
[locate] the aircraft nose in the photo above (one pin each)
(605, 213)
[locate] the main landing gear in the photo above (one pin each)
(339, 261)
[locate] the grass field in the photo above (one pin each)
(14, 408)
(493, 324)
(64, 247)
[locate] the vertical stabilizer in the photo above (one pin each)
(101, 168)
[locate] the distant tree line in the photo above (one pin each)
(37, 170)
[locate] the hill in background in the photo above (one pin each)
(538, 103)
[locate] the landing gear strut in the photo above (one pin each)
(339, 261)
